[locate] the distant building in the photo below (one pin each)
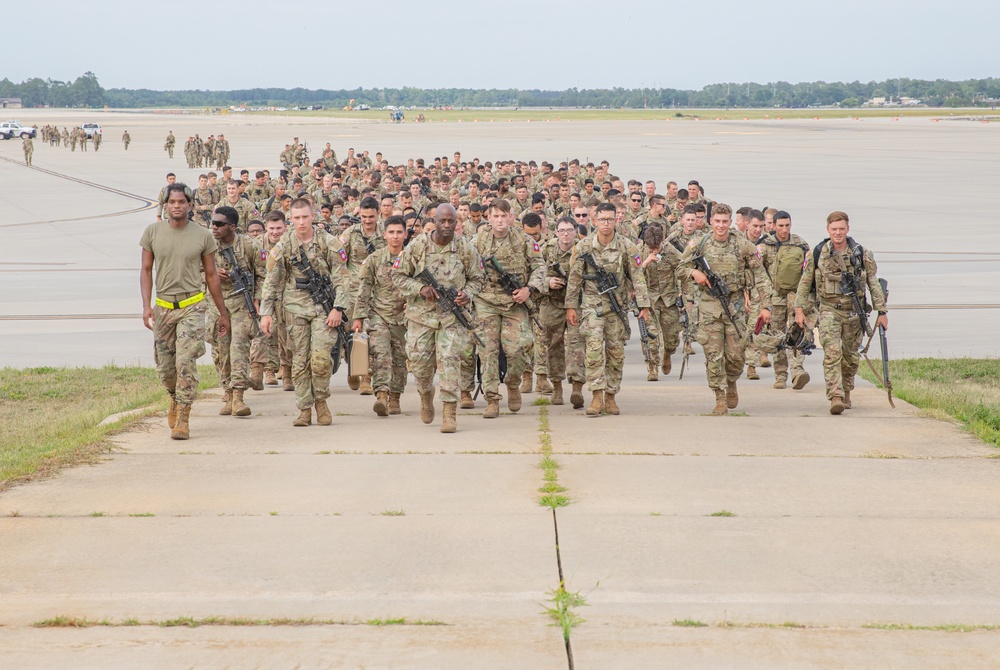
(10, 103)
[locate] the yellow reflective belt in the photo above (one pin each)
(186, 302)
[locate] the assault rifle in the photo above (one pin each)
(607, 284)
(322, 293)
(446, 301)
(243, 284)
(718, 289)
(850, 284)
(685, 322)
(643, 332)
(560, 272)
(885, 347)
(509, 283)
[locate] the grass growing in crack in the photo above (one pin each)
(722, 512)
(947, 628)
(541, 401)
(561, 612)
(689, 623)
(553, 494)
(97, 514)
(143, 514)
(393, 512)
(192, 622)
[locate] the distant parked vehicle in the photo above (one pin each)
(92, 129)
(11, 129)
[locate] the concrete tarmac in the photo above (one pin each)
(876, 517)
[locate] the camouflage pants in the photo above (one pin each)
(539, 351)
(468, 371)
(751, 353)
(665, 325)
(178, 343)
(511, 330)
(231, 353)
(27, 157)
(272, 351)
(781, 319)
(604, 349)
(310, 341)
(840, 336)
(440, 350)
(564, 347)
(387, 354)
(724, 350)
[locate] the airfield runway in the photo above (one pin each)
(776, 537)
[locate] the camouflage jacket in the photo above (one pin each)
(280, 282)
(456, 265)
(555, 258)
(376, 292)
(621, 258)
(518, 255)
(661, 275)
(247, 254)
(737, 264)
(822, 277)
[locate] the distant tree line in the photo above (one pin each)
(86, 91)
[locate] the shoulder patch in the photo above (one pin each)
(535, 245)
(638, 260)
(276, 250)
(692, 243)
(343, 254)
(263, 255)
(395, 263)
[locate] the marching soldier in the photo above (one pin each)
(660, 264)
(168, 145)
(126, 139)
(563, 344)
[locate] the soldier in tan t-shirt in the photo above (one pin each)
(180, 251)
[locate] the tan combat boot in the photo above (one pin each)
(800, 379)
(652, 374)
(732, 396)
(394, 403)
(720, 403)
(596, 404)
(836, 405)
(666, 365)
(239, 407)
(227, 404)
(557, 396)
(779, 382)
(466, 401)
(448, 418)
(269, 378)
(181, 430)
(381, 406)
(366, 385)
(257, 376)
(514, 397)
(323, 416)
(847, 399)
(543, 385)
(576, 396)
(353, 383)
(172, 412)
(526, 382)
(492, 410)
(752, 372)
(764, 362)
(286, 378)
(427, 406)
(610, 406)
(304, 418)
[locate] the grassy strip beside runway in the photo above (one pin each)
(964, 389)
(51, 416)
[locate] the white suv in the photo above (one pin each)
(92, 129)
(9, 129)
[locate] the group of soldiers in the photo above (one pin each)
(202, 153)
(516, 274)
(69, 138)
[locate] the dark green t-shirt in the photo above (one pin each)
(177, 256)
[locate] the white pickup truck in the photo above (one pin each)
(11, 129)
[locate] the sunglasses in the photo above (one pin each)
(581, 216)
(220, 224)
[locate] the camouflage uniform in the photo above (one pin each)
(310, 339)
(208, 198)
(29, 150)
(353, 248)
(381, 304)
(564, 346)
(604, 333)
(169, 145)
(664, 322)
(272, 352)
(783, 302)
(840, 331)
(231, 353)
(499, 320)
(243, 207)
(435, 341)
(736, 263)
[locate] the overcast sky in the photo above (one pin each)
(509, 44)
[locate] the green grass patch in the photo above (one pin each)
(393, 512)
(562, 610)
(964, 389)
(50, 416)
(723, 512)
(947, 628)
(689, 623)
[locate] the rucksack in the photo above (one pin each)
(788, 263)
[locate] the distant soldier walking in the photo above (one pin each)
(126, 140)
(168, 146)
(29, 150)
(180, 251)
